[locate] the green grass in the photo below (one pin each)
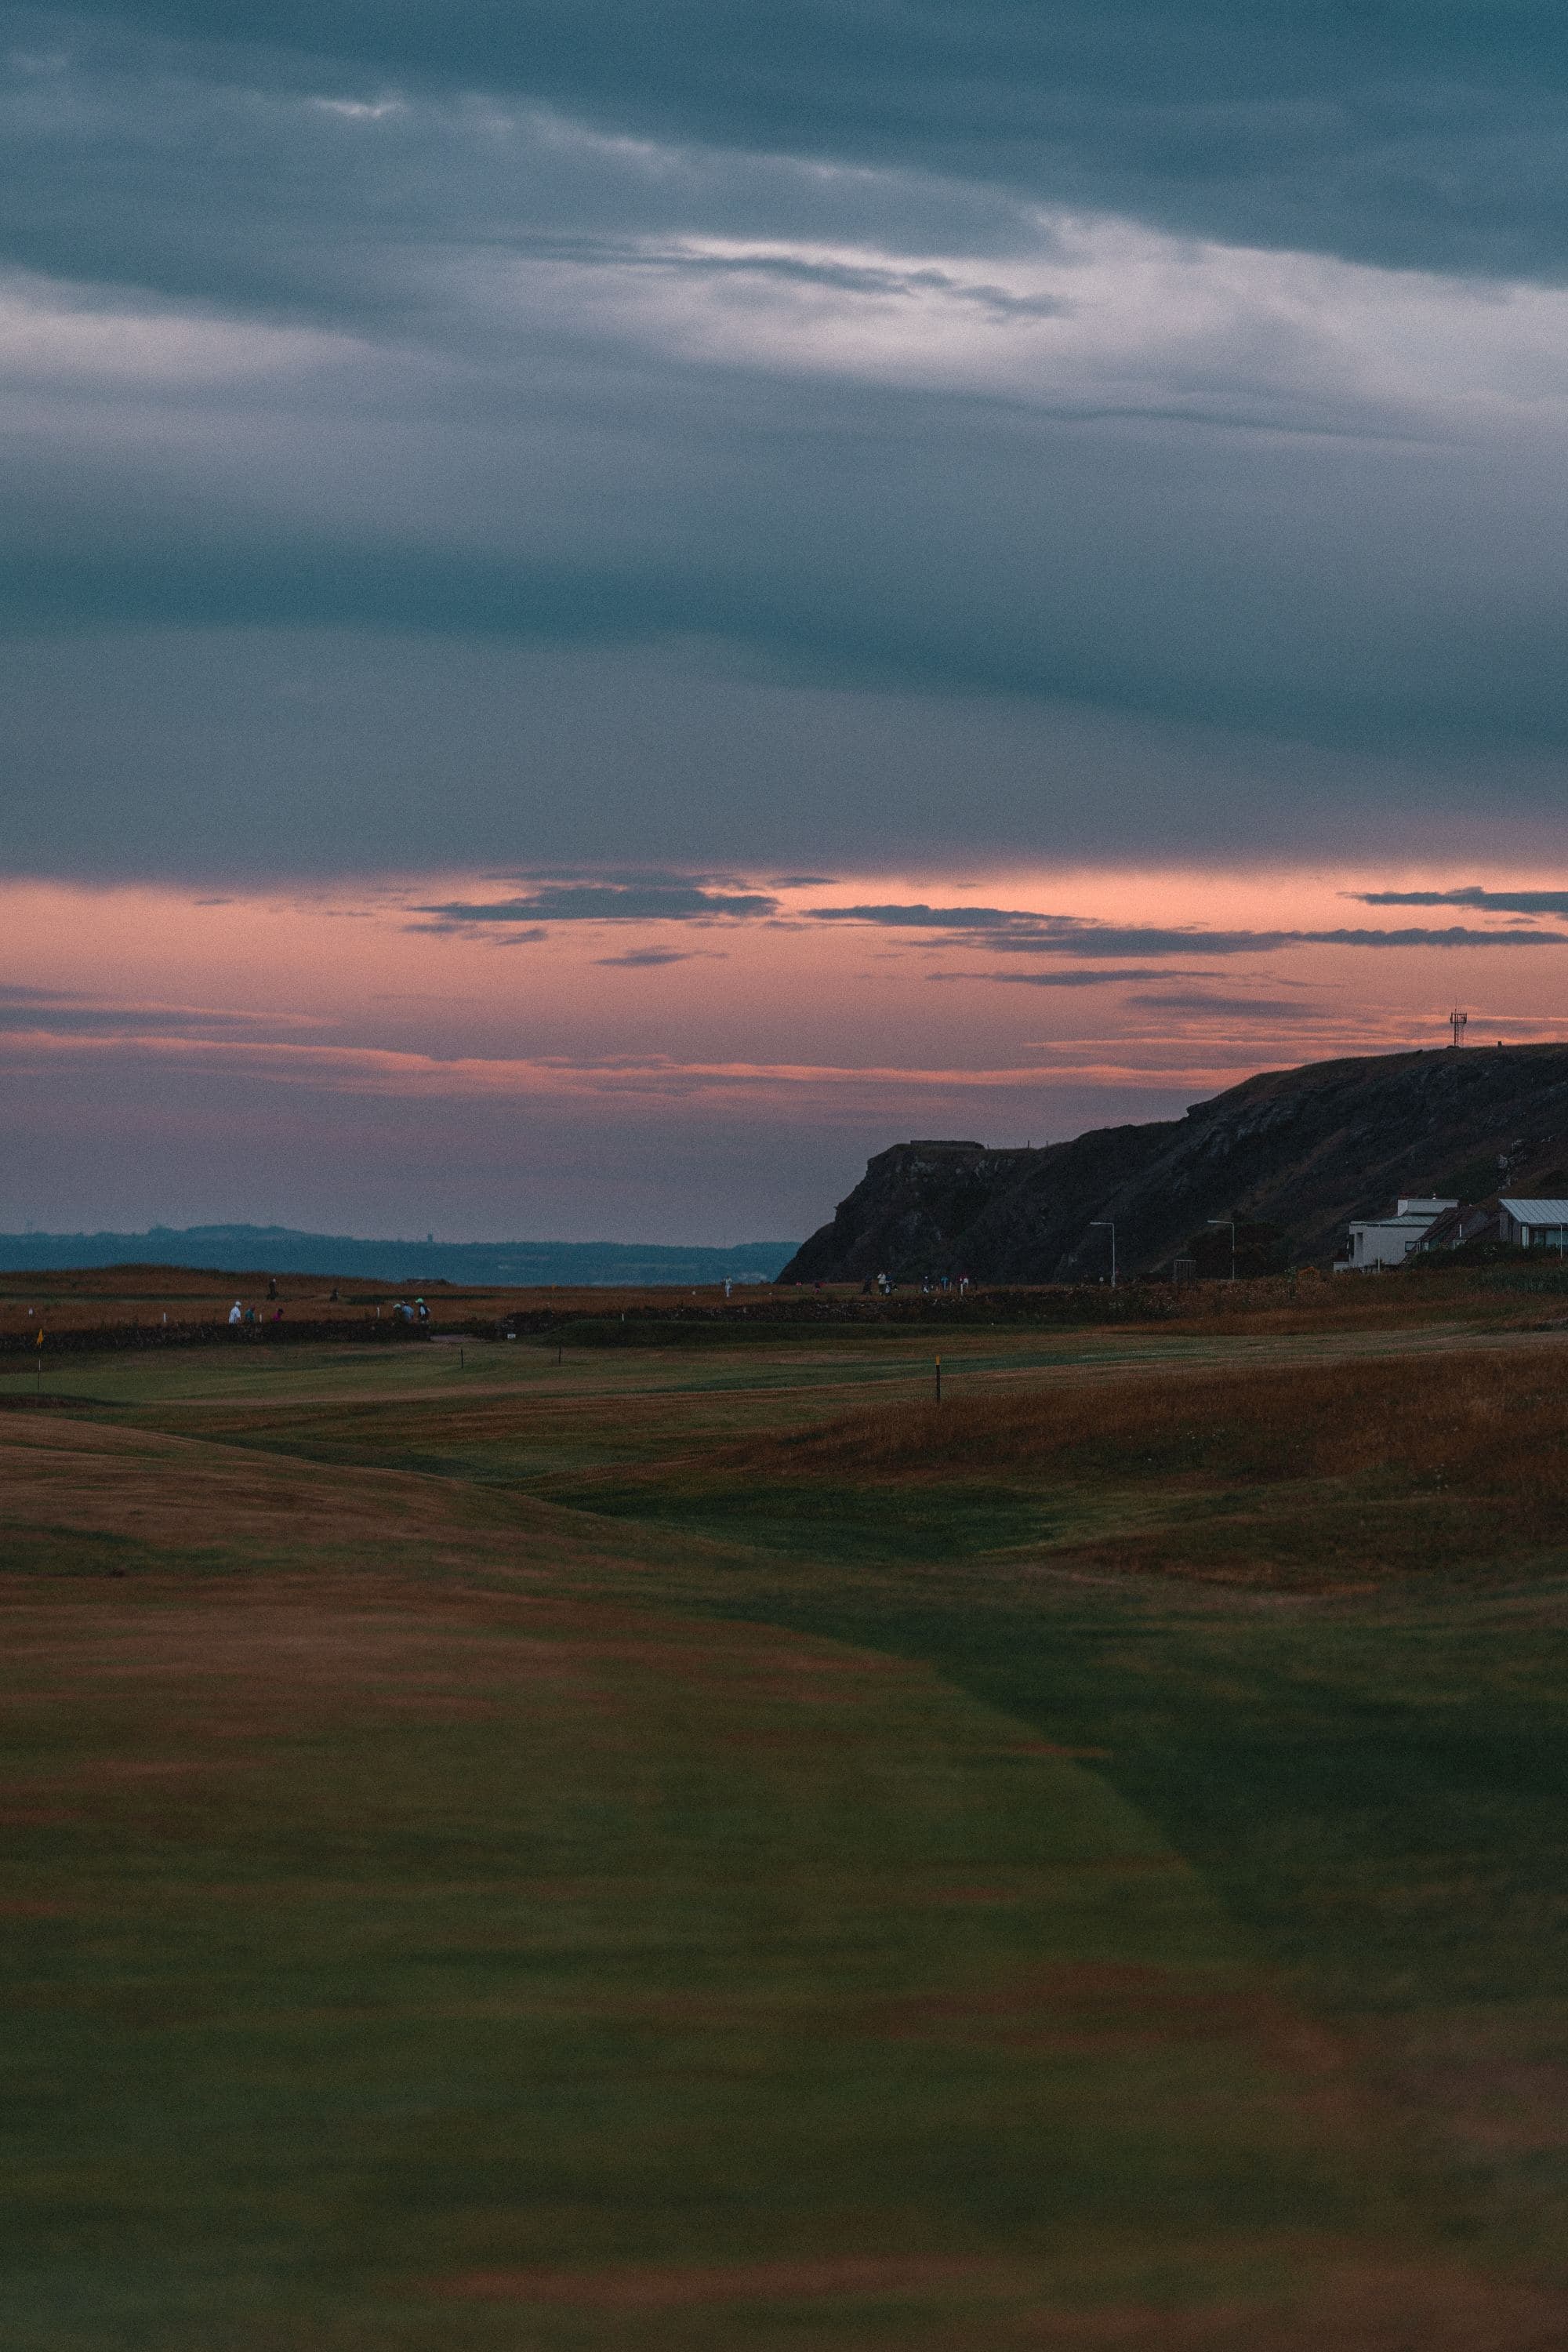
(824, 1520)
(498, 1950)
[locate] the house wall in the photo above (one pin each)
(1388, 1242)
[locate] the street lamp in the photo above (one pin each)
(1109, 1226)
(1231, 1223)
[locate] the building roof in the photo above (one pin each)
(1535, 1213)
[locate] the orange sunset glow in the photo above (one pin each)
(270, 1030)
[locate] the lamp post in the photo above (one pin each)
(1107, 1224)
(1231, 1223)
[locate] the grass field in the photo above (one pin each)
(722, 1851)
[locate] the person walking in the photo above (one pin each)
(235, 1313)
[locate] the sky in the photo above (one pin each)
(605, 610)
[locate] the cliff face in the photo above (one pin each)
(1303, 1150)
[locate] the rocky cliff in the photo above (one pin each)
(1300, 1150)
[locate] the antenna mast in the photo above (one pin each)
(1457, 1023)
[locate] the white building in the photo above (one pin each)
(1534, 1225)
(1389, 1241)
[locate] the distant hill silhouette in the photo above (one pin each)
(1299, 1151)
(277, 1249)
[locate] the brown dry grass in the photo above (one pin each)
(1349, 2307)
(73, 1488)
(1320, 1476)
(1484, 1421)
(85, 1298)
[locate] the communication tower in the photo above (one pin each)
(1457, 1021)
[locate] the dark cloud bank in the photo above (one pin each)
(1408, 134)
(697, 901)
(433, 451)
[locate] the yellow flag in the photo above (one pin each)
(41, 1339)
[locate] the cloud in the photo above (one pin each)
(792, 435)
(647, 959)
(1000, 929)
(1071, 978)
(610, 902)
(1417, 137)
(1011, 929)
(1019, 931)
(1508, 902)
(531, 935)
(349, 1068)
(44, 1014)
(1455, 936)
(830, 274)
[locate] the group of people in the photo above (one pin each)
(241, 1317)
(238, 1315)
(247, 1317)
